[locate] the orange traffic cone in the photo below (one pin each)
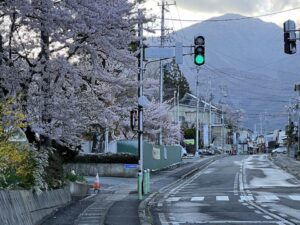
(96, 184)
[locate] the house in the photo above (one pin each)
(208, 116)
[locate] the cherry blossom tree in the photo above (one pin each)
(70, 60)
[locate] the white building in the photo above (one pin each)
(208, 115)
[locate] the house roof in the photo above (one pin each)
(190, 101)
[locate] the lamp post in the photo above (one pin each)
(197, 120)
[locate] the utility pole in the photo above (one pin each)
(1, 50)
(210, 120)
(297, 88)
(178, 105)
(162, 40)
(261, 125)
(106, 140)
(298, 131)
(197, 116)
(175, 109)
(223, 94)
(140, 108)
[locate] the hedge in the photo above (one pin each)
(105, 158)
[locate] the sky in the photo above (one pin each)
(205, 9)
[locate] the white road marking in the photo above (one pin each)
(267, 198)
(159, 204)
(258, 212)
(194, 199)
(295, 197)
(246, 198)
(173, 199)
(241, 182)
(227, 222)
(271, 197)
(162, 218)
(222, 198)
(268, 217)
(235, 184)
(283, 215)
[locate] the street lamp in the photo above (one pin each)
(197, 120)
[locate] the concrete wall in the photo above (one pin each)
(22, 207)
(86, 146)
(103, 169)
(155, 156)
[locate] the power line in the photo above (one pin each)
(236, 19)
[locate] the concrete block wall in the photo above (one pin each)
(103, 169)
(22, 207)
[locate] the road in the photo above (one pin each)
(232, 190)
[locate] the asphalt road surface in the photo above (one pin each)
(233, 190)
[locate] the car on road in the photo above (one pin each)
(279, 150)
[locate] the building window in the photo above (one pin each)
(181, 118)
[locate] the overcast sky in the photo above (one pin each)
(205, 9)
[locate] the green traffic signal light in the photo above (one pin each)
(199, 50)
(199, 60)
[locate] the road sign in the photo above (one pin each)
(158, 53)
(165, 52)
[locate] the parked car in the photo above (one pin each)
(183, 151)
(206, 152)
(280, 150)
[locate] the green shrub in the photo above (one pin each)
(21, 165)
(16, 167)
(106, 158)
(72, 176)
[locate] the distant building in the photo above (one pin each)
(186, 112)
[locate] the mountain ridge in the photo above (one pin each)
(246, 56)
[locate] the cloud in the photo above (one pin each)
(246, 7)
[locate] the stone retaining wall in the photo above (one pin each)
(103, 169)
(22, 207)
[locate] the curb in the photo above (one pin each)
(144, 219)
(142, 209)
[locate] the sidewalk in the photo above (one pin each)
(92, 209)
(117, 202)
(128, 210)
(289, 164)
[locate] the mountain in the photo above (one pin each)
(246, 59)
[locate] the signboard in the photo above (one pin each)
(205, 135)
(165, 53)
(156, 153)
(189, 141)
(131, 166)
(158, 53)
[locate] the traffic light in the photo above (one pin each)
(289, 29)
(199, 50)
(133, 119)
